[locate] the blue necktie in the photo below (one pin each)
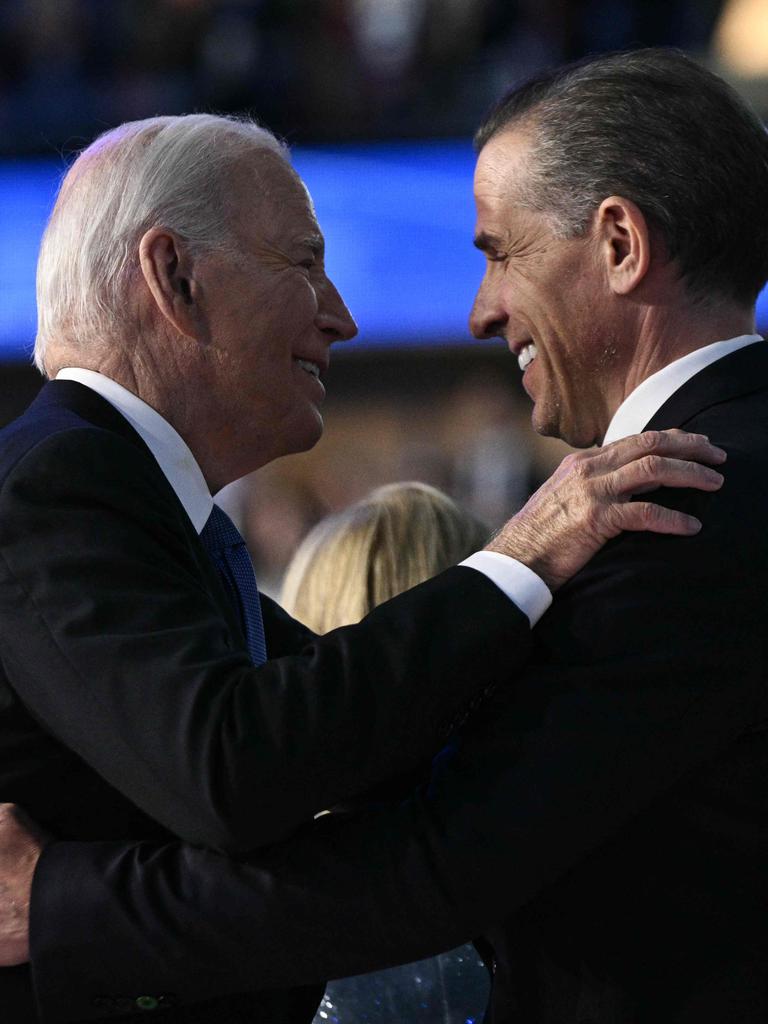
(222, 540)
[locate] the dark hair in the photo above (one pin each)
(655, 127)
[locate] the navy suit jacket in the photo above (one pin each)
(129, 708)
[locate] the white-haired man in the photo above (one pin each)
(186, 320)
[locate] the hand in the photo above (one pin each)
(586, 501)
(21, 843)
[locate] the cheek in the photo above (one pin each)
(292, 315)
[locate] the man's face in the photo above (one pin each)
(272, 315)
(548, 298)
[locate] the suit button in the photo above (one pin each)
(147, 1003)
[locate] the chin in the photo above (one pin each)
(544, 423)
(577, 438)
(307, 434)
(548, 423)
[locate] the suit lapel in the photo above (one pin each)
(90, 406)
(741, 373)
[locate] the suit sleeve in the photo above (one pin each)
(115, 643)
(650, 663)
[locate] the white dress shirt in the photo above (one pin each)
(644, 402)
(630, 418)
(521, 585)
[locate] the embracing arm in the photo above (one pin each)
(631, 689)
(113, 640)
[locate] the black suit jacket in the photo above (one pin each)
(128, 704)
(609, 811)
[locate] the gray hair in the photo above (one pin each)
(655, 127)
(165, 171)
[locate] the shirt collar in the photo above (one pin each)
(168, 447)
(638, 407)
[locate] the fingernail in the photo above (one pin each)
(692, 524)
(715, 477)
(718, 454)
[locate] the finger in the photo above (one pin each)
(670, 443)
(653, 471)
(644, 515)
(682, 444)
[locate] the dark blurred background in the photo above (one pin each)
(329, 74)
(314, 70)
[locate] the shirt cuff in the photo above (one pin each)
(521, 584)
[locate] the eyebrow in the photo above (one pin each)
(315, 243)
(486, 243)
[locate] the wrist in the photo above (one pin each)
(527, 548)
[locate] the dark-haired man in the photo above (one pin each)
(608, 812)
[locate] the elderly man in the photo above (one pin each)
(607, 807)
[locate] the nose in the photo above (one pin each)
(488, 317)
(333, 317)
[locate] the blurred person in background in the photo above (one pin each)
(350, 562)
(185, 320)
(399, 535)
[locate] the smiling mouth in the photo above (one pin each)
(311, 368)
(526, 355)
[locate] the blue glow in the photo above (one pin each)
(762, 311)
(27, 189)
(398, 220)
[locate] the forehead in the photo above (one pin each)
(270, 201)
(502, 166)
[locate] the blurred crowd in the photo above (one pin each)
(313, 70)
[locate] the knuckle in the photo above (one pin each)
(651, 466)
(651, 439)
(650, 513)
(577, 466)
(614, 516)
(612, 520)
(582, 463)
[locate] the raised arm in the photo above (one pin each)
(122, 653)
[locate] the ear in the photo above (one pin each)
(169, 272)
(624, 237)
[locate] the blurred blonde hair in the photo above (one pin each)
(398, 536)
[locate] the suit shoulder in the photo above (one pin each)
(62, 448)
(741, 429)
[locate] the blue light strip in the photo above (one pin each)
(27, 189)
(398, 221)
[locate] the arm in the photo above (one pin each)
(632, 688)
(114, 642)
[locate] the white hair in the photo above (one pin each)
(165, 171)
